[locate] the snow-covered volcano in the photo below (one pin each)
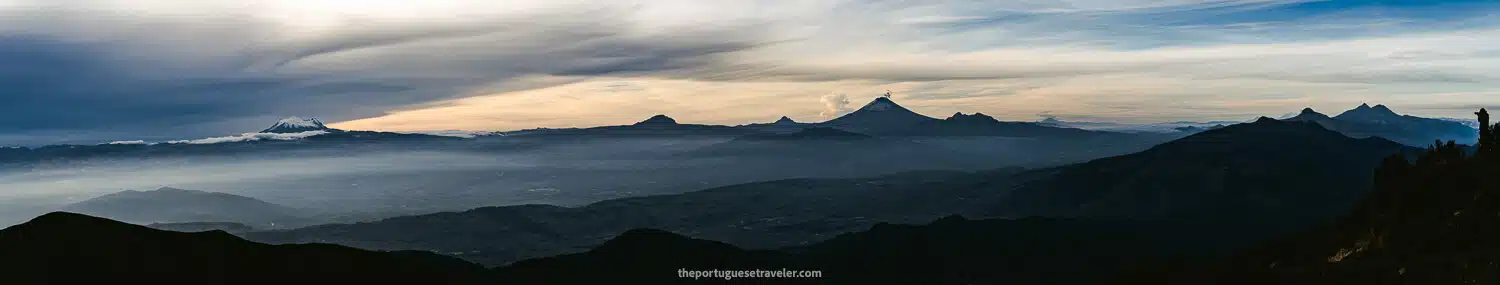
(296, 125)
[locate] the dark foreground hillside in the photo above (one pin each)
(952, 250)
(1432, 221)
(67, 248)
(72, 248)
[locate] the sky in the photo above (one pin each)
(85, 71)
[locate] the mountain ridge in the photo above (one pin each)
(1381, 121)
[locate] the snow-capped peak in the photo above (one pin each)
(296, 125)
(300, 122)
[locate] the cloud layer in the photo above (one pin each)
(114, 70)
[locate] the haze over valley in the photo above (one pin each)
(355, 175)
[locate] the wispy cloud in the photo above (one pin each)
(167, 69)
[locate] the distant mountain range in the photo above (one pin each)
(979, 124)
(880, 117)
(1164, 127)
(1381, 121)
(172, 205)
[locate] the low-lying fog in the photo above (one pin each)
(359, 185)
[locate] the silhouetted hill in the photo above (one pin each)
(171, 205)
(1253, 171)
(73, 249)
(658, 121)
(757, 215)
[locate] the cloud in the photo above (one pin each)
(450, 133)
(834, 105)
(62, 78)
(252, 137)
(99, 71)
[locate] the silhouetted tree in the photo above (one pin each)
(1487, 137)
